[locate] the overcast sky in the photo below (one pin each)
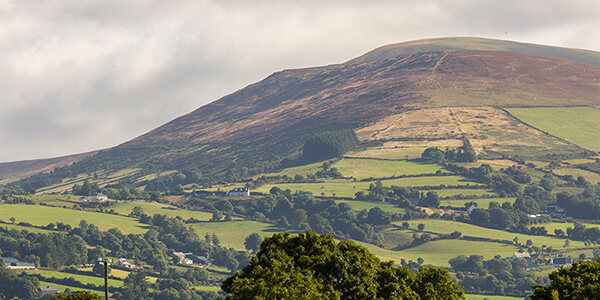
(77, 76)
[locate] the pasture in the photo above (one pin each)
(592, 177)
(578, 125)
(360, 205)
(43, 215)
(447, 227)
(233, 234)
(30, 229)
(61, 288)
(152, 208)
(374, 168)
(99, 280)
(347, 189)
(553, 226)
(481, 203)
(439, 252)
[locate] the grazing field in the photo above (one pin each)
(43, 215)
(465, 192)
(592, 177)
(163, 209)
(345, 188)
(81, 278)
(439, 252)
(481, 203)
(447, 227)
(233, 234)
(30, 229)
(552, 226)
(578, 125)
(367, 168)
(61, 288)
(299, 170)
(389, 151)
(360, 205)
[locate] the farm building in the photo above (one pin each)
(99, 197)
(239, 192)
(13, 263)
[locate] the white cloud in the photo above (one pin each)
(81, 75)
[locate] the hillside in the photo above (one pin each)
(472, 43)
(254, 128)
(20, 169)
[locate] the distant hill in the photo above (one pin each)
(21, 169)
(472, 43)
(256, 127)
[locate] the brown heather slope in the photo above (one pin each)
(269, 120)
(293, 99)
(473, 43)
(22, 169)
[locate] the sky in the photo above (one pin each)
(77, 76)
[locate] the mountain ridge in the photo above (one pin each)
(475, 43)
(268, 121)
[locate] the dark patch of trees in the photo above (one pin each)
(329, 144)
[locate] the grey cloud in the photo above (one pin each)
(81, 75)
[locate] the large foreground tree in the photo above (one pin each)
(580, 281)
(313, 266)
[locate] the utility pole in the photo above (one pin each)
(106, 263)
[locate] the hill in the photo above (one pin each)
(253, 129)
(472, 43)
(20, 169)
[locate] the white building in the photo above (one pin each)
(239, 192)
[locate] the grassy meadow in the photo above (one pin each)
(347, 188)
(578, 125)
(360, 205)
(152, 208)
(439, 252)
(43, 215)
(481, 203)
(233, 234)
(447, 227)
(81, 278)
(367, 168)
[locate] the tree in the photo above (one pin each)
(253, 242)
(79, 295)
(313, 266)
(421, 226)
(580, 281)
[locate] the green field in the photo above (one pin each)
(43, 215)
(552, 226)
(233, 234)
(592, 177)
(360, 205)
(578, 125)
(346, 188)
(367, 168)
(446, 227)
(464, 192)
(61, 288)
(481, 203)
(439, 252)
(163, 209)
(300, 170)
(81, 278)
(30, 229)
(390, 153)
